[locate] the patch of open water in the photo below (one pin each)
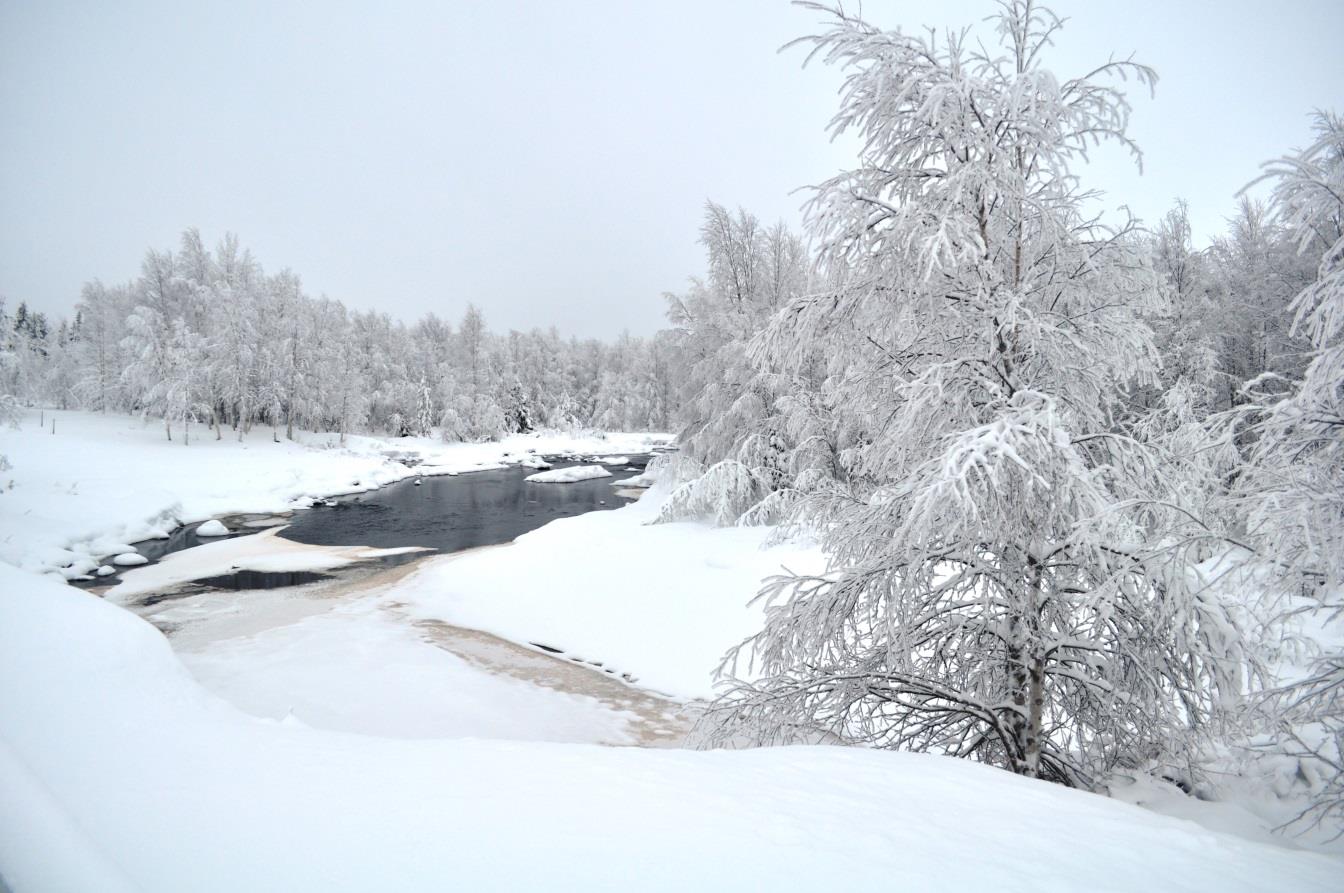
(449, 513)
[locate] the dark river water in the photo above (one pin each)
(449, 513)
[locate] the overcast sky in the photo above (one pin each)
(548, 161)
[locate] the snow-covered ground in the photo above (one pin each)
(659, 602)
(358, 734)
(119, 772)
(101, 482)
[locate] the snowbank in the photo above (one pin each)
(105, 481)
(661, 602)
(569, 475)
(118, 771)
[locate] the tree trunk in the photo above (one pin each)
(1034, 663)
(1035, 707)
(1017, 688)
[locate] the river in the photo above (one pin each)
(245, 634)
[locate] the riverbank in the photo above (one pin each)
(102, 482)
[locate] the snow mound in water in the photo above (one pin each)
(106, 570)
(644, 480)
(212, 527)
(130, 559)
(569, 475)
(613, 460)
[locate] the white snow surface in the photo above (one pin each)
(569, 475)
(118, 771)
(105, 481)
(661, 602)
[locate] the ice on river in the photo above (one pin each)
(265, 551)
(358, 667)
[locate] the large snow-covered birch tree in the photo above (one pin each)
(1006, 581)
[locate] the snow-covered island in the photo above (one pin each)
(569, 475)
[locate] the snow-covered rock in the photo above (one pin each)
(106, 570)
(569, 475)
(613, 460)
(78, 568)
(130, 559)
(213, 527)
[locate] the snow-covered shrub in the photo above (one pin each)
(671, 470)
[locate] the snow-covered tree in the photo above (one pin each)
(98, 352)
(730, 397)
(1005, 582)
(1294, 486)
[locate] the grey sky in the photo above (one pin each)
(546, 160)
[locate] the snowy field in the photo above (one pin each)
(102, 482)
(359, 735)
(119, 772)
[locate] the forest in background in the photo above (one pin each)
(208, 338)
